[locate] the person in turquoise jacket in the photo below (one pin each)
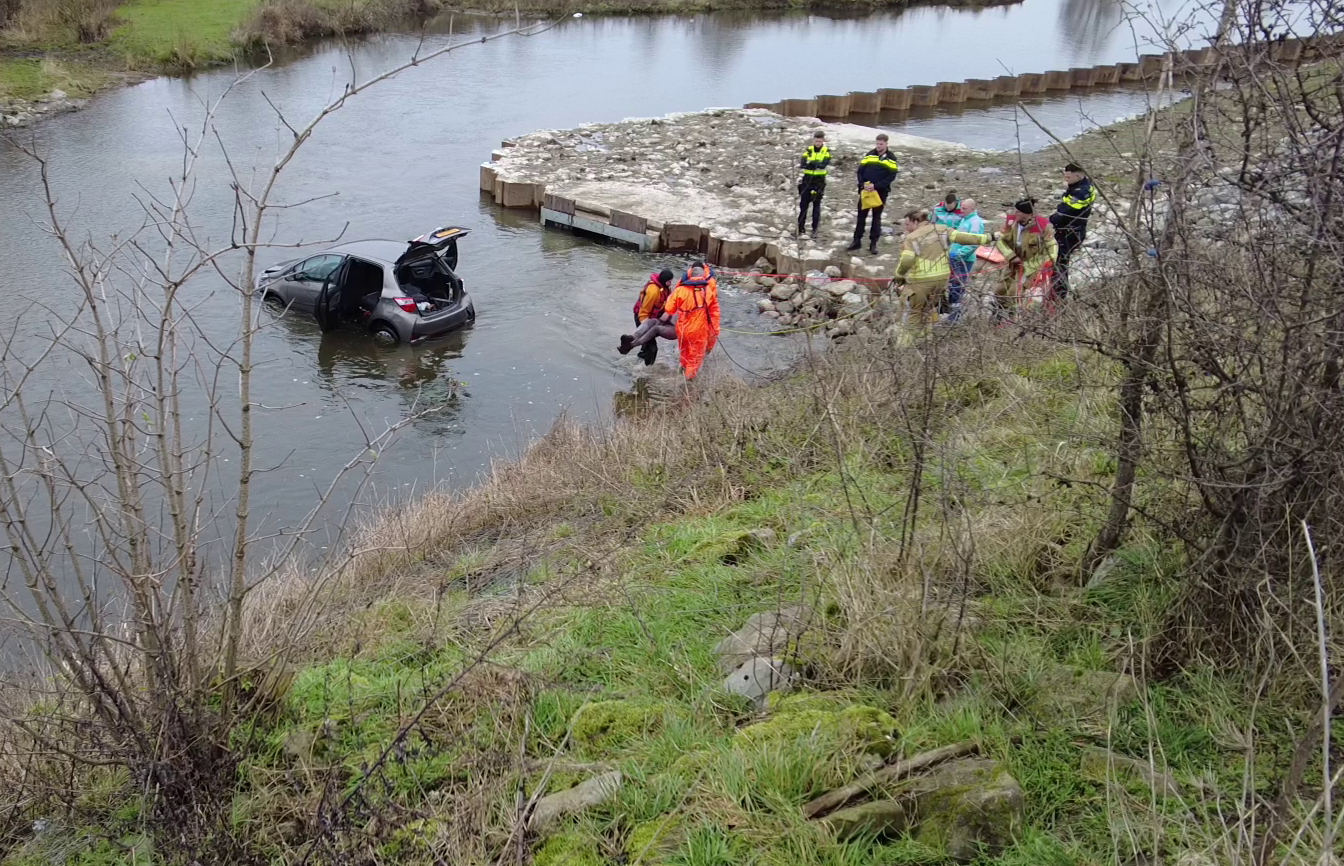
(960, 215)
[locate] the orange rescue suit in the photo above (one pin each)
(695, 303)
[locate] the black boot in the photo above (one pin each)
(649, 352)
(627, 343)
(857, 245)
(872, 246)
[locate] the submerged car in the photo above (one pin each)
(398, 291)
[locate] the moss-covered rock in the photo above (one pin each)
(653, 842)
(856, 726)
(965, 808)
(970, 808)
(570, 848)
(607, 725)
(1066, 696)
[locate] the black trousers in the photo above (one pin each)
(1069, 241)
(876, 231)
(810, 191)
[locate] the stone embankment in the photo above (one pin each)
(17, 113)
(722, 183)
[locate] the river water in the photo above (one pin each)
(403, 159)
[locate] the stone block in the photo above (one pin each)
(833, 106)
(1107, 75)
(1031, 82)
(740, 253)
(768, 106)
(925, 95)
(1058, 79)
(488, 178)
(864, 102)
(798, 108)
(515, 193)
(1083, 76)
(895, 98)
(952, 92)
(1008, 86)
(1286, 51)
(559, 204)
(1150, 66)
(981, 89)
(682, 238)
(1129, 72)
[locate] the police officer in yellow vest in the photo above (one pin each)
(923, 270)
(812, 187)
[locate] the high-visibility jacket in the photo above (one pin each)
(879, 169)
(815, 161)
(924, 252)
(1075, 207)
(695, 303)
(1027, 243)
(651, 299)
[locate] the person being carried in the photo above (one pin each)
(1070, 222)
(924, 268)
(816, 159)
(1027, 244)
(695, 303)
(650, 320)
(877, 170)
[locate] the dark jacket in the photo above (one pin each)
(1074, 207)
(880, 171)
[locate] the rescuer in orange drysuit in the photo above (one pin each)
(695, 303)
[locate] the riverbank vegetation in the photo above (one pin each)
(175, 36)
(1063, 591)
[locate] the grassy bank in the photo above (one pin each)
(561, 621)
(174, 36)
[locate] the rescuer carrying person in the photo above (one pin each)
(812, 186)
(650, 320)
(695, 303)
(1028, 246)
(924, 269)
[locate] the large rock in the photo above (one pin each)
(966, 808)
(1103, 764)
(1068, 696)
(840, 288)
(783, 292)
(585, 795)
(765, 635)
(757, 677)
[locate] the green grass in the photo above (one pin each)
(178, 34)
(34, 78)
(620, 672)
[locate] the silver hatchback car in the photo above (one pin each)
(398, 291)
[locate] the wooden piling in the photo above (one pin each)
(895, 99)
(682, 238)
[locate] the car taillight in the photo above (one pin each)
(407, 304)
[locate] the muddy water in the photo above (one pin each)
(404, 159)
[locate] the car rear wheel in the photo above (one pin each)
(384, 334)
(471, 314)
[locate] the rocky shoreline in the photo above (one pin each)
(18, 113)
(733, 173)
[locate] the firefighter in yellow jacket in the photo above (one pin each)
(923, 270)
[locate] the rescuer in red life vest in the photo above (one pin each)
(650, 318)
